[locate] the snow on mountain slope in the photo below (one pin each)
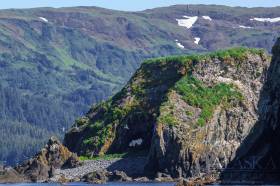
(207, 18)
(188, 22)
(44, 19)
(272, 20)
(196, 40)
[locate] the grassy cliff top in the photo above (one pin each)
(236, 53)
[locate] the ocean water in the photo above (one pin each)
(86, 184)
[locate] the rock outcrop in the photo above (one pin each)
(42, 166)
(10, 175)
(198, 145)
(104, 176)
(190, 112)
(259, 153)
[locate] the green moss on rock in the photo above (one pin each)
(196, 94)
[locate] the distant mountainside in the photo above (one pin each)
(55, 63)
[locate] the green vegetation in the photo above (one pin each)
(189, 113)
(168, 119)
(101, 130)
(103, 157)
(99, 134)
(197, 94)
(82, 121)
(235, 53)
(131, 153)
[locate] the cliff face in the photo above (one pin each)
(191, 112)
(126, 121)
(260, 150)
(209, 126)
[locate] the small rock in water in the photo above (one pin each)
(119, 176)
(97, 177)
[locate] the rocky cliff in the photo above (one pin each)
(260, 151)
(191, 113)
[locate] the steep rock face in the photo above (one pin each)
(190, 112)
(195, 145)
(126, 121)
(260, 151)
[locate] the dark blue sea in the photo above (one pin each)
(85, 184)
(107, 184)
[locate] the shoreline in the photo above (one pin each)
(101, 171)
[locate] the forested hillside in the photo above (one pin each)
(56, 63)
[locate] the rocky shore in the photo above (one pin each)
(55, 163)
(130, 167)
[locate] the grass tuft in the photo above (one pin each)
(236, 53)
(103, 157)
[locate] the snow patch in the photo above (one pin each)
(242, 26)
(207, 18)
(196, 40)
(188, 22)
(136, 142)
(272, 20)
(179, 44)
(44, 19)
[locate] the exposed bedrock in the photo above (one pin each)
(260, 150)
(189, 150)
(42, 166)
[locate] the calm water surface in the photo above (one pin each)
(84, 184)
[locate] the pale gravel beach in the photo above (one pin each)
(131, 166)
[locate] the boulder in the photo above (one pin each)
(163, 177)
(72, 162)
(119, 176)
(10, 175)
(97, 177)
(42, 166)
(142, 179)
(102, 176)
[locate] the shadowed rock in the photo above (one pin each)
(258, 156)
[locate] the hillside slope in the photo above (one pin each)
(190, 113)
(54, 63)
